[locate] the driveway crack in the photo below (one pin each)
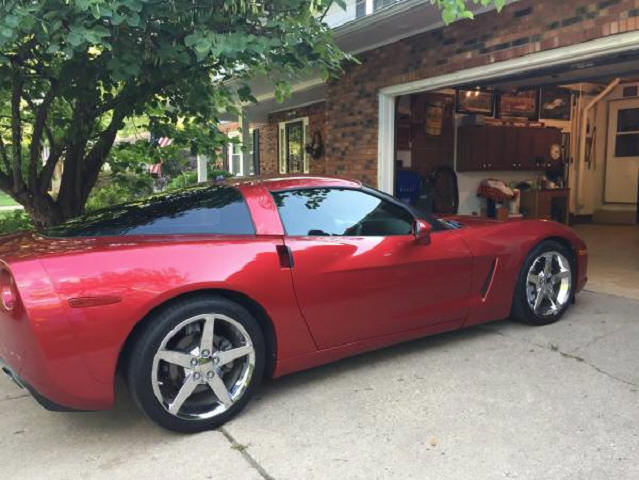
(15, 397)
(553, 348)
(597, 338)
(244, 452)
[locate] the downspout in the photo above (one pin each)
(582, 140)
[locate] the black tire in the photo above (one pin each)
(148, 340)
(521, 308)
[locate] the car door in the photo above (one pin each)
(358, 271)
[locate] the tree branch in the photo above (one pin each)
(4, 155)
(7, 186)
(144, 90)
(100, 150)
(330, 4)
(5, 183)
(76, 141)
(39, 125)
(16, 129)
(44, 179)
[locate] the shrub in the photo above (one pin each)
(189, 177)
(14, 221)
(119, 188)
(182, 180)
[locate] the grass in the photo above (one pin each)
(6, 200)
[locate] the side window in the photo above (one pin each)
(198, 210)
(341, 212)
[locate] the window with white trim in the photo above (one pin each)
(293, 136)
(235, 154)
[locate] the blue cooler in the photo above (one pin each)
(408, 186)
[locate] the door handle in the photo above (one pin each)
(285, 255)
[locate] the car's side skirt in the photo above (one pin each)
(321, 357)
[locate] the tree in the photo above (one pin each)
(71, 72)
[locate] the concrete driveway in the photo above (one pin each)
(498, 401)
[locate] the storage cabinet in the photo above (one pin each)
(504, 148)
(545, 204)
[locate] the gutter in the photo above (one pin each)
(385, 13)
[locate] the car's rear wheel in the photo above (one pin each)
(196, 363)
(545, 285)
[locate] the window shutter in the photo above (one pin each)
(225, 158)
(282, 146)
(305, 139)
(256, 151)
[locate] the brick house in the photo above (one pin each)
(414, 102)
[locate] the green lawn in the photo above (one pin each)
(6, 200)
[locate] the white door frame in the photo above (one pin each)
(571, 54)
(631, 162)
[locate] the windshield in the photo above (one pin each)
(417, 212)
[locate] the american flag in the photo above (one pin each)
(164, 142)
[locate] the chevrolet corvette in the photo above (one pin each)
(193, 296)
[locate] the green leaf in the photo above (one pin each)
(75, 37)
(12, 21)
(118, 19)
(203, 45)
(448, 16)
(191, 39)
(134, 5)
(133, 20)
(96, 34)
(83, 4)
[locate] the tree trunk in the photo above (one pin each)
(44, 215)
(43, 210)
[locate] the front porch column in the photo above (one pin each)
(247, 160)
(202, 173)
(369, 7)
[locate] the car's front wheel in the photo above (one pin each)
(196, 363)
(545, 285)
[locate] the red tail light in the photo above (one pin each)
(8, 295)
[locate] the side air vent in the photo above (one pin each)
(485, 288)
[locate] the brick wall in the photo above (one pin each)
(316, 114)
(522, 28)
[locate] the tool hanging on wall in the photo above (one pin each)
(588, 144)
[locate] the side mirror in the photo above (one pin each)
(422, 230)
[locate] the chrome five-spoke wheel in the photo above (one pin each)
(548, 283)
(203, 366)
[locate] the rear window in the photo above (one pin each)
(215, 209)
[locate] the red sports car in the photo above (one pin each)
(195, 295)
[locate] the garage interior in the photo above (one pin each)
(560, 143)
